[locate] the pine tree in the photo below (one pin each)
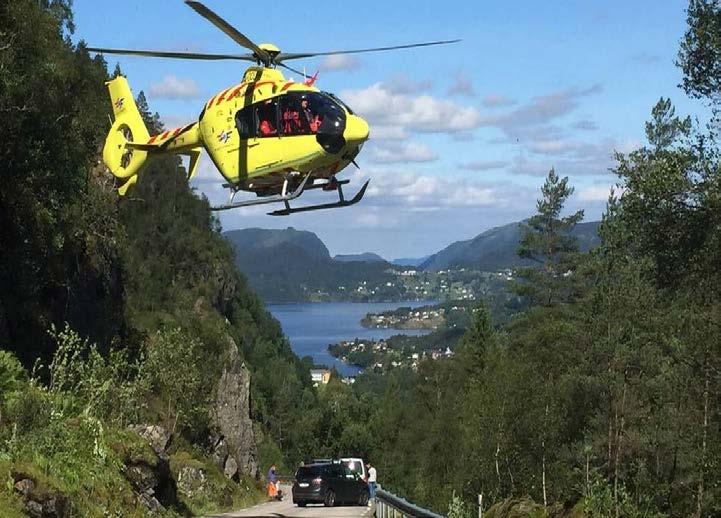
(152, 120)
(472, 347)
(547, 241)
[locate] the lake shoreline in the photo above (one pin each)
(312, 326)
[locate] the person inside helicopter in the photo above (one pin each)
(291, 120)
(308, 121)
(267, 119)
(300, 116)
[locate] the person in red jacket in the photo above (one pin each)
(266, 114)
(267, 129)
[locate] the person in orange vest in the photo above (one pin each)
(273, 491)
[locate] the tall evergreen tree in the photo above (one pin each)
(547, 241)
(700, 53)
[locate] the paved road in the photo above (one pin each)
(286, 508)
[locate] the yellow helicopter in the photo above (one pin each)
(266, 135)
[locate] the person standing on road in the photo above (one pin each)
(272, 482)
(372, 481)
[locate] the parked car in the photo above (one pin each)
(357, 465)
(329, 484)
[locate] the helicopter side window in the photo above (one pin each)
(245, 122)
(267, 118)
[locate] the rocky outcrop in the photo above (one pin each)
(40, 503)
(158, 437)
(233, 441)
(149, 473)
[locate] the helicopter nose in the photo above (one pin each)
(356, 130)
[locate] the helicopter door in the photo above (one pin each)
(261, 149)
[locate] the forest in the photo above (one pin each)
(601, 399)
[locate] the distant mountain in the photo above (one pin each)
(367, 257)
(270, 239)
(496, 249)
(294, 265)
(410, 261)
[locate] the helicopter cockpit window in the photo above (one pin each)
(303, 113)
(267, 118)
(245, 122)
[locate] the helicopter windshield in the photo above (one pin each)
(310, 113)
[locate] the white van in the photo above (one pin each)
(356, 465)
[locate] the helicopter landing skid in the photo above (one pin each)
(342, 202)
(284, 196)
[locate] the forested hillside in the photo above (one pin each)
(497, 249)
(119, 316)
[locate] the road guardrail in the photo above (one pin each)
(389, 505)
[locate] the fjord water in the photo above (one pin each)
(312, 326)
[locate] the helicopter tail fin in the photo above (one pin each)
(122, 158)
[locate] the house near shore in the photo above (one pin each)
(320, 376)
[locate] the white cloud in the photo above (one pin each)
(462, 85)
(585, 125)
(594, 193)
(172, 87)
(402, 153)
(540, 111)
(484, 165)
(422, 113)
(388, 132)
(339, 62)
(496, 101)
(406, 190)
(402, 84)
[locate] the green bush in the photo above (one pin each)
(600, 503)
(175, 369)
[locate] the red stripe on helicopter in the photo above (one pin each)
(236, 91)
(152, 139)
(165, 135)
(222, 96)
(256, 85)
(175, 133)
(210, 103)
(286, 86)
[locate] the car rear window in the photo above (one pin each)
(354, 465)
(309, 471)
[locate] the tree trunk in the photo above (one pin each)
(543, 458)
(702, 468)
(619, 439)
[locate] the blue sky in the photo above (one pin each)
(461, 135)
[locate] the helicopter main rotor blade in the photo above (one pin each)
(237, 36)
(291, 69)
(172, 54)
(284, 56)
